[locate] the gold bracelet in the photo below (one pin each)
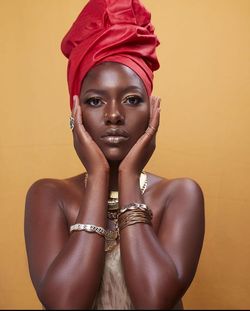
(133, 217)
(133, 206)
(88, 228)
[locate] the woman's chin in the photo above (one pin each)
(114, 154)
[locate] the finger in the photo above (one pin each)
(77, 114)
(152, 105)
(155, 119)
(156, 115)
(73, 113)
(75, 98)
(71, 119)
(153, 125)
(81, 133)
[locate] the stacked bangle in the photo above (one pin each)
(130, 214)
(136, 206)
(134, 213)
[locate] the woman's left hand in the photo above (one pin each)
(143, 149)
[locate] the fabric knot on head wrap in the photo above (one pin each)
(111, 30)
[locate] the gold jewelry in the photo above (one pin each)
(112, 236)
(109, 235)
(143, 186)
(153, 128)
(88, 228)
(136, 206)
(113, 200)
(150, 130)
(71, 122)
(113, 204)
(134, 216)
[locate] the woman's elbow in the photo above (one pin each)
(59, 298)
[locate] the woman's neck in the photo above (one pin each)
(113, 176)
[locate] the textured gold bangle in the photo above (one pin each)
(134, 216)
(88, 228)
(135, 206)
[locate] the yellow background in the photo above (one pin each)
(204, 83)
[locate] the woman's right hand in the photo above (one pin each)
(87, 150)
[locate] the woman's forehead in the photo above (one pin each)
(111, 75)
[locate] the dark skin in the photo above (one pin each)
(159, 261)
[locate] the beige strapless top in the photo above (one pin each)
(113, 293)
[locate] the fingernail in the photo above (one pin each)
(74, 101)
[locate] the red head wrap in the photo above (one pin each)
(111, 30)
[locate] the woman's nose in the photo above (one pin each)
(114, 114)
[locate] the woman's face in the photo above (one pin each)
(115, 108)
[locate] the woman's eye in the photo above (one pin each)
(94, 101)
(133, 100)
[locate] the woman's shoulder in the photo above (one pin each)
(53, 188)
(179, 188)
(187, 183)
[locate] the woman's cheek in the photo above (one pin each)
(88, 121)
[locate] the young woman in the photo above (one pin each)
(114, 236)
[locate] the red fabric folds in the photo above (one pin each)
(111, 30)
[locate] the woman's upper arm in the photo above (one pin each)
(182, 227)
(45, 227)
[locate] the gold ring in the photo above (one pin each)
(153, 128)
(71, 122)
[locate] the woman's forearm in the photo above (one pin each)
(150, 273)
(74, 276)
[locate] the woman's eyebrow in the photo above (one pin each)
(132, 87)
(99, 91)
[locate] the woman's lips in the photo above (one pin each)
(114, 136)
(114, 140)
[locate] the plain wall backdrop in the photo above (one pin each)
(204, 83)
